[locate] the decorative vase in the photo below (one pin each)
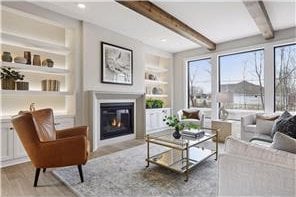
(177, 134)
(6, 57)
(8, 84)
(36, 60)
(47, 62)
(27, 56)
(21, 85)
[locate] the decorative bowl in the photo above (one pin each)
(20, 60)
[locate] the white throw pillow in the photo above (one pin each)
(264, 123)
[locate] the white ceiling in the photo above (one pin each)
(219, 21)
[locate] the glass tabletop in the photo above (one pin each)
(166, 138)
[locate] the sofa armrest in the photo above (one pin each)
(63, 152)
(243, 176)
(70, 132)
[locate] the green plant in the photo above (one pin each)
(149, 103)
(191, 125)
(172, 121)
(158, 103)
(8, 73)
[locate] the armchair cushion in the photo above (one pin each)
(250, 128)
(44, 124)
(264, 123)
(70, 132)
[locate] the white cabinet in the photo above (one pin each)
(154, 119)
(12, 150)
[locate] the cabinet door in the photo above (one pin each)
(18, 148)
(63, 123)
(154, 120)
(163, 113)
(148, 122)
(6, 142)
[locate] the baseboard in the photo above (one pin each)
(14, 162)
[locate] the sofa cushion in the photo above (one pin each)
(258, 152)
(250, 128)
(284, 142)
(287, 126)
(276, 124)
(264, 123)
(191, 114)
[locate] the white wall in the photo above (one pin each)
(255, 42)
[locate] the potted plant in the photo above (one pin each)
(9, 78)
(149, 103)
(157, 103)
(172, 121)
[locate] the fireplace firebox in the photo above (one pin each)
(117, 119)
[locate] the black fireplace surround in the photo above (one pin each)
(117, 119)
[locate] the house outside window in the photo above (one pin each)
(199, 85)
(285, 77)
(242, 75)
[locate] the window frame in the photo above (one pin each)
(188, 74)
(219, 70)
(274, 72)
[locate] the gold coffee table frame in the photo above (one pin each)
(182, 154)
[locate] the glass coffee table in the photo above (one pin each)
(182, 154)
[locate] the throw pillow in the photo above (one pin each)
(192, 114)
(284, 142)
(264, 123)
(287, 126)
(276, 124)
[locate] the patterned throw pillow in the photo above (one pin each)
(279, 122)
(288, 126)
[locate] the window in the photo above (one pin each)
(199, 85)
(285, 77)
(242, 76)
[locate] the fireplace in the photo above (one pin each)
(117, 119)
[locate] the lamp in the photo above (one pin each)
(224, 97)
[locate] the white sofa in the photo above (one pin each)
(247, 169)
(188, 120)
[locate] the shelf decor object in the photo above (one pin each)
(36, 60)
(224, 97)
(48, 62)
(6, 57)
(27, 55)
(9, 77)
(50, 85)
(117, 64)
(20, 60)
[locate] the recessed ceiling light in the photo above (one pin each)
(81, 5)
(163, 40)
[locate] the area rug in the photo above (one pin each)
(124, 174)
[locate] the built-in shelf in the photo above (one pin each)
(34, 92)
(31, 68)
(32, 43)
(157, 95)
(155, 69)
(155, 82)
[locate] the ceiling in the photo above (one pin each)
(219, 21)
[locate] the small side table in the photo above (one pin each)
(225, 126)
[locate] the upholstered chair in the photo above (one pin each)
(182, 118)
(48, 147)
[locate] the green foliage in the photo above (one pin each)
(8, 73)
(172, 121)
(191, 125)
(154, 103)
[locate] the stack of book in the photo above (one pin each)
(196, 133)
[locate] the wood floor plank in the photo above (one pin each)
(18, 180)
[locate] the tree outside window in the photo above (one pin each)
(285, 75)
(199, 85)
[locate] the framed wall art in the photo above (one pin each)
(117, 64)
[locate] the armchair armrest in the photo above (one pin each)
(63, 152)
(70, 132)
(249, 119)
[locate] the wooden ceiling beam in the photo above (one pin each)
(258, 12)
(167, 20)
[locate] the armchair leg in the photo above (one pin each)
(44, 170)
(37, 172)
(80, 173)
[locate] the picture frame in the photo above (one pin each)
(116, 64)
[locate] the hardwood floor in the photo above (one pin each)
(18, 180)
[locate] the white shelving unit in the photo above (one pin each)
(157, 95)
(22, 32)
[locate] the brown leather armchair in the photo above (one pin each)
(48, 147)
